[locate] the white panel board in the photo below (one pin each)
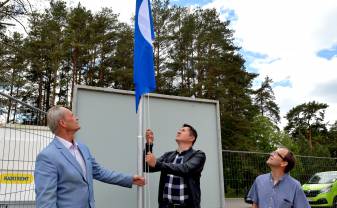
(109, 127)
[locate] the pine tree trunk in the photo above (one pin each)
(74, 80)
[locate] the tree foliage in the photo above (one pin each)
(265, 101)
(195, 56)
(307, 121)
(10, 13)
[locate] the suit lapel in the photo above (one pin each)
(66, 153)
(85, 158)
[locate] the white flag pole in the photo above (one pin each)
(140, 190)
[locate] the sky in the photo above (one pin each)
(292, 42)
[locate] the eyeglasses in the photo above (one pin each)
(276, 153)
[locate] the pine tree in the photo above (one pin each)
(307, 120)
(265, 101)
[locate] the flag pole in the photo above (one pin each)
(140, 189)
(144, 74)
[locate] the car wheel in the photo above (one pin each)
(334, 205)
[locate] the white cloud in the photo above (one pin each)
(291, 32)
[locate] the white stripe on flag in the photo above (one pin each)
(144, 21)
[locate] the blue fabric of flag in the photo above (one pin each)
(144, 76)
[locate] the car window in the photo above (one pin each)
(322, 178)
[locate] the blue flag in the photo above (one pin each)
(143, 74)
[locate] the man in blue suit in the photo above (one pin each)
(65, 169)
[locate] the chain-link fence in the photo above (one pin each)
(23, 133)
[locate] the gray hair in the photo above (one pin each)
(54, 115)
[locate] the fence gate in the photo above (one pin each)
(23, 134)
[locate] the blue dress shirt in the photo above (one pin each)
(286, 193)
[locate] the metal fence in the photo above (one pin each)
(23, 134)
(241, 168)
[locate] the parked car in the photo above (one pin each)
(25, 118)
(20, 118)
(321, 189)
(30, 119)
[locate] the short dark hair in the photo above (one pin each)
(290, 158)
(193, 132)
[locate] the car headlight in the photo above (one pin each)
(326, 189)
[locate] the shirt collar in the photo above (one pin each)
(183, 152)
(284, 177)
(66, 143)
